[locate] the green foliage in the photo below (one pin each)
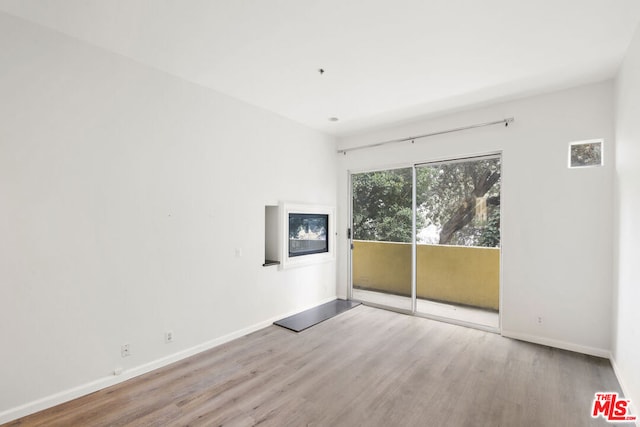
(446, 197)
(382, 205)
(490, 237)
(450, 186)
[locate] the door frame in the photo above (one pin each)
(413, 165)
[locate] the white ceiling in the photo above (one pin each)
(385, 60)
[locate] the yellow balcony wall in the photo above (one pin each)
(453, 274)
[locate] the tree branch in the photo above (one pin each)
(464, 214)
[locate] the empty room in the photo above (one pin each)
(337, 213)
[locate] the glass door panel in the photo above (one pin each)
(458, 240)
(382, 236)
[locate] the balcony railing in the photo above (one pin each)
(453, 274)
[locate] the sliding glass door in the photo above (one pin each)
(458, 240)
(382, 227)
(426, 239)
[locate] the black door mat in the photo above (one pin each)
(313, 316)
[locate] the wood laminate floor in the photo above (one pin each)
(366, 367)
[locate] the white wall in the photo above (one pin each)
(124, 193)
(626, 332)
(556, 223)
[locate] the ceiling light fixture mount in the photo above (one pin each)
(321, 71)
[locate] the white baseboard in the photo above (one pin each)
(101, 383)
(634, 405)
(593, 351)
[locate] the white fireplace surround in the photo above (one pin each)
(287, 208)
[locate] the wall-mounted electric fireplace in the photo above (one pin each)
(308, 234)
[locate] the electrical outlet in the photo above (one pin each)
(125, 351)
(168, 337)
(539, 320)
